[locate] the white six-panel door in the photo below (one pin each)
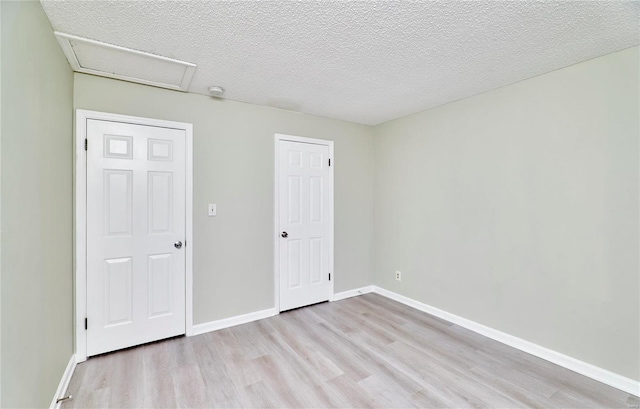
(304, 219)
(135, 225)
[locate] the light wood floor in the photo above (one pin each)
(366, 351)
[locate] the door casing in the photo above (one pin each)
(80, 218)
(276, 214)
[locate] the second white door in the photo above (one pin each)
(304, 199)
(135, 234)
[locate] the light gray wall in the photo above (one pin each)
(518, 209)
(36, 164)
(0, 205)
(234, 168)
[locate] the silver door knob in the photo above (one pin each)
(177, 244)
(284, 234)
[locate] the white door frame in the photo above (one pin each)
(81, 218)
(276, 217)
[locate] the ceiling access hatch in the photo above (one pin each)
(107, 60)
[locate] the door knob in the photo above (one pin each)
(177, 244)
(285, 234)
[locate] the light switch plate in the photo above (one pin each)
(212, 210)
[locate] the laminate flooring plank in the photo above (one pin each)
(75, 385)
(563, 399)
(564, 380)
(240, 370)
(126, 379)
(594, 398)
(249, 339)
(224, 343)
(378, 365)
(394, 379)
(204, 351)
(99, 398)
(182, 352)
(189, 387)
(94, 376)
(217, 349)
(305, 362)
(373, 363)
(221, 390)
(454, 350)
(292, 368)
(260, 395)
(159, 391)
(334, 346)
(362, 352)
(301, 350)
(517, 379)
(319, 315)
(433, 338)
(347, 393)
(385, 394)
(379, 304)
(435, 362)
(439, 380)
(426, 399)
(158, 364)
(288, 394)
(342, 317)
(389, 314)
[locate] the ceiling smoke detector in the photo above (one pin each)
(216, 91)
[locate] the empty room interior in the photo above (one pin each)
(350, 204)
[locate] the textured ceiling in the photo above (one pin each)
(366, 62)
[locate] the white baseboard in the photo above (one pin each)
(64, 382)
(599, 374)
(233, 321)
(352, 293)
(270, 312)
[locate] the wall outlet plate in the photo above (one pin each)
(398, 276)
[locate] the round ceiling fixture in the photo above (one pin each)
(216, 91)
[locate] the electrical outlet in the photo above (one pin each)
(398, 276)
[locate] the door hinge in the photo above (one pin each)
(86, 144)
(329, 161)
(86, 324)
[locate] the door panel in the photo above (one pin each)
(294, 264)
(117, 289)
(136, 211)
(160, 285)
(315, 260)
(160, 195)
(118, 193)
(304, 195)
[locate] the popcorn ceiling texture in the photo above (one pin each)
(366, 62)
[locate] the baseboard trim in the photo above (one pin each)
(64, 382)
(233, 321)
(591, 371)
(270, 312)
(352, 293)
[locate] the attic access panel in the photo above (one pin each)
(112, 61)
